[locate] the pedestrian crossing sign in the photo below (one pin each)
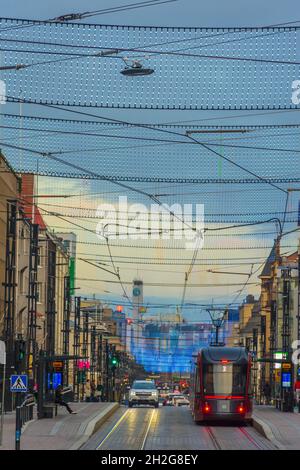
(18, 383)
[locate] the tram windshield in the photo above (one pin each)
(224, 379)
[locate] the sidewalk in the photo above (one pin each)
(282, 428)
(65, 431)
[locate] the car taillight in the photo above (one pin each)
(206, 408)
(241, 409)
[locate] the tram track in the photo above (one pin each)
(142, 439)
(250, 438)
(214, 440)
(245, 433)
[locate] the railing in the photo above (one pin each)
(24, 413)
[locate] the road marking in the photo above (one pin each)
(147, 430)
(113, 429)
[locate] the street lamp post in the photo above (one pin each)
(217, 316)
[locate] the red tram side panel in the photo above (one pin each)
(221, 385)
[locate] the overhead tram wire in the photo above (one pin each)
(72, 56)
(170, 142)
(90, 210)
(242, 29)
(181, 124)
(234, 163)
(167, 132)
(72, 16)
(216, 229)
(171, 284)
(77, 16)
(152, 197)
(253, 174)
(249, 114)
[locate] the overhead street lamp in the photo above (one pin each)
(217, 316)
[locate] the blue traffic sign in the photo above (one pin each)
(18, 383)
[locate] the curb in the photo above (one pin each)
(93, 425)
(263, 428)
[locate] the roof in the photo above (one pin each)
(30, 209)
(267, 270)
(213, 354)
(4, 159)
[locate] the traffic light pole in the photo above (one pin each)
(107, 371)
(286, 392)
(76, 345)
(20, 358)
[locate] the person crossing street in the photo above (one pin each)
(59, 400)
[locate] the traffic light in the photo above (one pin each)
(81, 376)
(20, 354)
(114, 362)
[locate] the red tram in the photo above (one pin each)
(220, 388)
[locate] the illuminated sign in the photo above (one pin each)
(286, 379)
(83, 364)
(57, 365)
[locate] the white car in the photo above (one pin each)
(180, 400)
(143, 392)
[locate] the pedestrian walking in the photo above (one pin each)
(297, 392)
(93, 391)
(267, 393)
(87, 390)
(98, 392)
(59, 400)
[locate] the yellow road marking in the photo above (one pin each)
(148, 429)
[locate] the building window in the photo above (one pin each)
(39, 292)
(40, 257)
(22, 286)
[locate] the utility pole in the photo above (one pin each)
(272, 345)
(66, 325)
(85, 338)
(263, 353)
(10, 296)
(286, 390)
(32, 352)
(107, 371)
(76, 346)
(93, 354)
(298, 312)
(254, 352)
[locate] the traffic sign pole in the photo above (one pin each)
(18, 428)
(2, 405)
(3, 362)
(18, 384)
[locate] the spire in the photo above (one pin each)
(267, 269)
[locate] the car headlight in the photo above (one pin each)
(131, 393)
(154, 394)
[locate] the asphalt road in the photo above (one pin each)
(171, 428)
